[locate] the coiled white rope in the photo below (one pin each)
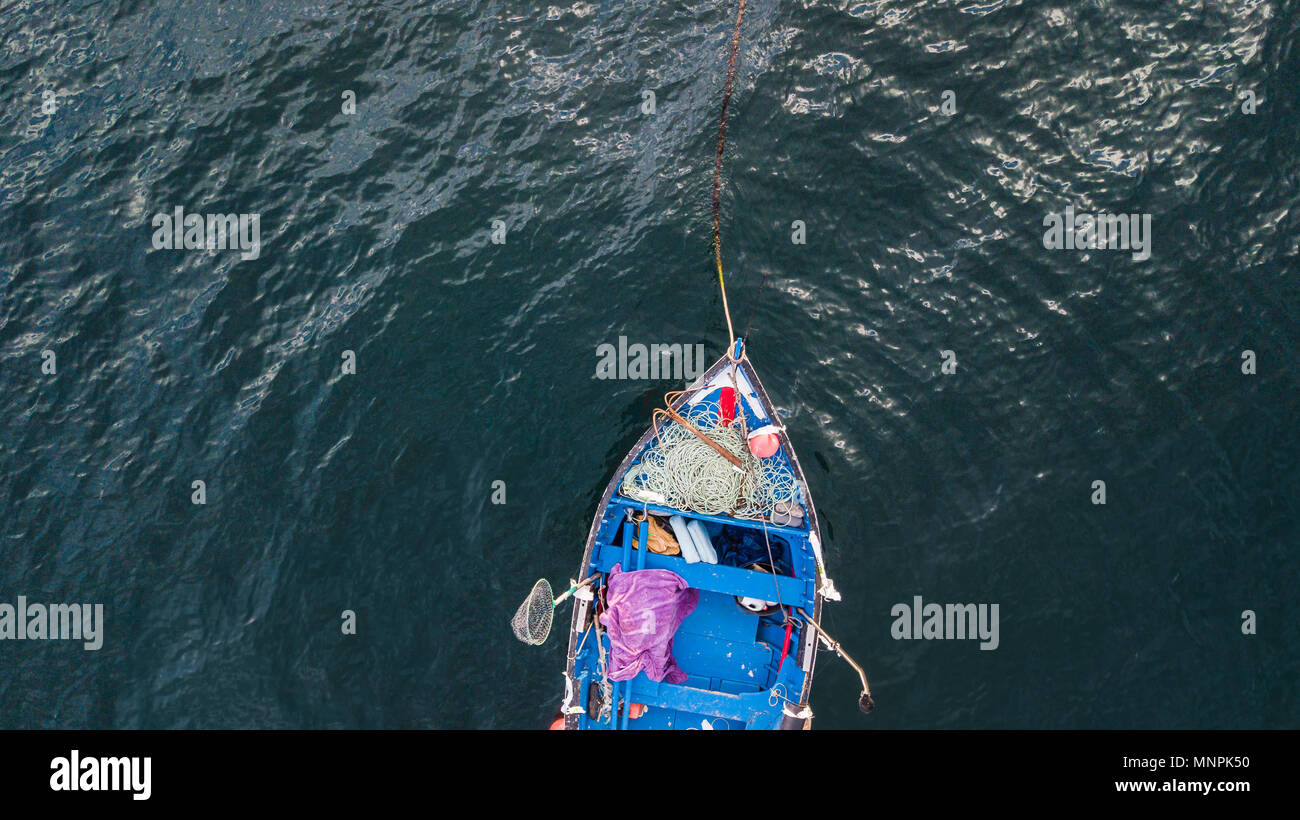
(690, 475)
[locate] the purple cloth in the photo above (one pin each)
(644, 609)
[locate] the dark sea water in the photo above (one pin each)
(371, 492)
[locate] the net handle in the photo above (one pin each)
(564, 596)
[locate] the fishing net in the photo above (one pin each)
(532, 621)
(690, 475)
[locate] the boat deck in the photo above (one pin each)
(733, 657)
(731, 654)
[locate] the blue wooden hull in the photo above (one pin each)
(743, 673)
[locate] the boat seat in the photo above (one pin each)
(684, 698)
(703, 654)
(717, 577)
(719, 616)
(618, 504)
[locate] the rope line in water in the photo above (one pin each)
(717, 171)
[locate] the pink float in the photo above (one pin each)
(764, 442)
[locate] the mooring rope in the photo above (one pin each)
(717, 173)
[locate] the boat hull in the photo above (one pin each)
(783, 710)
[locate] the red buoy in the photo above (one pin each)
(727, 406)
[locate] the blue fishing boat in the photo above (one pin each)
(703, 576)
(748, 647)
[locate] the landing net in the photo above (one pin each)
(532, 621)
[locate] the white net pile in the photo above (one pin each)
(690, 475)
